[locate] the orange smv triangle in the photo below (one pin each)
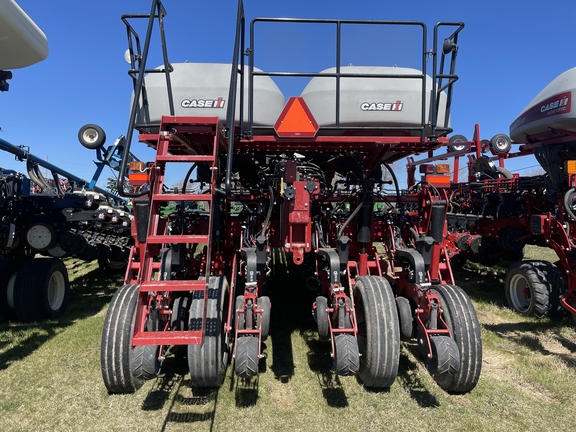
(296, 120)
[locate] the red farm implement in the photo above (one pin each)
(495, 214)
(306, 177)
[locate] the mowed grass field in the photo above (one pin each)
(50, 378)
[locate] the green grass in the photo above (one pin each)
(50, 377)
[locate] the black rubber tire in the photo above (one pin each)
(500, 144)
(116, 346)
(458, 260)
(41, 289)
(458, 143)
(97, 136)
(240, 320)
(246, 364)
(460, 317)
(146, 364)
(208, 361)
(346, 356)
(321, 316)
(8, 271)
(405, 317)
(445, 363)
(489, 253)
(179, 317)
(378, 331)
(545, 286)
(557, 287)
(114, 267)
(507, 241)
(264, 304)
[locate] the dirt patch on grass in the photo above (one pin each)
(502, 367)
(282, 395)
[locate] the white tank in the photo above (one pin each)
(552, 108)
(372, 102)
(201, 89)
(22, 43)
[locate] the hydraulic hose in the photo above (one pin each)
(356, 210)
(188, 174)
(398, 199)
(269, 213)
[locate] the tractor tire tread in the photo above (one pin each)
(246, 364)
(116, 346)
(447, 363)
(381, 354)
(346, 358)
(461, 318)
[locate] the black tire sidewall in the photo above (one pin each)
(31, 288)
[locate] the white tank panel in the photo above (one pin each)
(372, 102)
(201, 89)
(22, 43)
(552, 108)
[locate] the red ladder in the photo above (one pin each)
(187, 140)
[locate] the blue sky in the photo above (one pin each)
(509, 50)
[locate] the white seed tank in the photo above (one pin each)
(22, 43)
(550, 109)
(372, 102)
(201, 89)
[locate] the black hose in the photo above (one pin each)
(188, 174)
(356, 210)
(398, 199)
(269, 213)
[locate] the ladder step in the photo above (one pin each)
(177, 239)
(168, 338)
(185, 158)
(182, 197)
(173, 285)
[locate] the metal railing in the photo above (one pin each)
(449, 50)
(138, 56)
(244, 74)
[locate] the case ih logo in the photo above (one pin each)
(382, 106)
(558, 105)
(203, 103)
(555, 105)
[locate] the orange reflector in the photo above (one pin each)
(296, 120)
(137, 179)
(439, 181)
(571, 167)
(442, 169)
(137, 166)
